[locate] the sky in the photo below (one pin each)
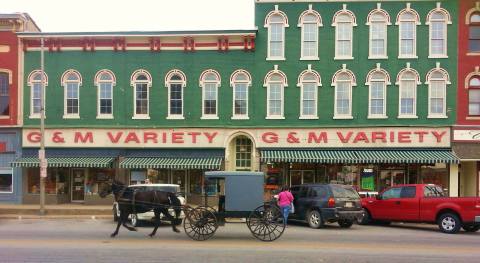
(136, 15)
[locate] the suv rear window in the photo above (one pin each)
(340, 191)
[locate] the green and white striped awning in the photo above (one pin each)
(359, 156)
(210, 163)
(73, 162)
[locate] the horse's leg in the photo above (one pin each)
(119, 222)
(157, 222)
(171, 219)
(125, 219)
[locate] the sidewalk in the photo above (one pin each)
(64, 211)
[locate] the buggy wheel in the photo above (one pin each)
(200, 223)
(266, 222)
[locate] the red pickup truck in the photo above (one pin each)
(425, 203)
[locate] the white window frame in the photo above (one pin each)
(266, 83)
(4, 172)
(353, 83)
(9, 83)
(267, 25)
(386, 22)
(31, 82)
(98, 82)
(233, 82)
(168, 84)
(399, 22)
(335, 23)
(217, 83)
(446, 21)
(65, 83)
(300, 84)
(133, 82)
(446, 81)
(468, 22)
(400, 86)
(386, 82)
(301, 24)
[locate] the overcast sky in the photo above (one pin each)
(139, 15)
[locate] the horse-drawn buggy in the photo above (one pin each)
(241, 197)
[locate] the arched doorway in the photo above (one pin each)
(241, 152)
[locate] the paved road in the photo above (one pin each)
(89, 241)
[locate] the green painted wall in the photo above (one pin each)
(123, 64)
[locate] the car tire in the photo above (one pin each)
(314, 219)
(449, 223)
(471, 228)
(116, 213)
(345, 223)
(134, 221)
(366, 219)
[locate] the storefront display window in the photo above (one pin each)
(435, 174)
(196, 181)
(180, 177)
(321, 175)
(98, 180)
(6, 183)
(158, 176)
(56, 182)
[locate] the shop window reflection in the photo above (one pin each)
(435, 174)
(56, 182)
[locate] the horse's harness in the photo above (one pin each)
(133, 202)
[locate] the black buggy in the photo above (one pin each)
(243, 198)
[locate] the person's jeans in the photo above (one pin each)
(285, 211)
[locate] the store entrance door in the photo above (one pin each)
(180, 177)
(78, 185)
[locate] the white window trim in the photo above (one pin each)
(335, 24)
(398, 83)
(267, 25)
(9, 73)
(386, 24)
(368, 83)
(446, 80)
(133, 83)
(232, 84)
(7, 171)
(446, 22)
(353, 83)
(318, 83)
(399, 24)
(168, 83)
(30, 83)
(217, 83)
(97, 83)
(64, 84)
(266, 84)
(301, 24)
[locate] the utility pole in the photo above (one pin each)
(41, 152)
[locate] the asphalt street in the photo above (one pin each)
(75, 240)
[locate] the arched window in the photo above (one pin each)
(276, 21)
(105, 80)
(275, 81)
(5, 82)
(209, 82)
(343, 81)
(377, 80)
(437, 21)
(71, 81)
(309, 81)
(141, 81)
(175, 81)
(35, 83)
(378, 20)
(240, 81)
(474, 96)
(344, 21)
(310, 20)
(407, 80)
(474, 30)
(437, 80)
(407, 20)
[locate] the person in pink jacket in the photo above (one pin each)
(285, 199)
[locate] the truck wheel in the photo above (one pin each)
(471, 228)
(366, 218)
(314, 219)
(344, 223)
(449, 223)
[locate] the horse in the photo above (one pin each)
(131, 201)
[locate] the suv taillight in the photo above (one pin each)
(331, 202)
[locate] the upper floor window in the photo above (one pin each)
(141, 81)
(437, 80)
(240, 81)
(35, 83)
(105, 80)
(344, 21)
(408, 79)
(310, 20)
(71, 81)
(474, 96)
(309, 81)
(377, 80)
(275, 81)
(474, 32)
(407, 20)
(343, 81)
(209, 82)
(175, 81)
(276, 21)
(5, 81)
(437, 20)
(378, 20)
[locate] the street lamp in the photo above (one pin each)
(41, 152)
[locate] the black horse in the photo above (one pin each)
(131, 201)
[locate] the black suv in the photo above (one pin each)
(321, 203)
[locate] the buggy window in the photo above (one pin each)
(433, 191)
(344, 191)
